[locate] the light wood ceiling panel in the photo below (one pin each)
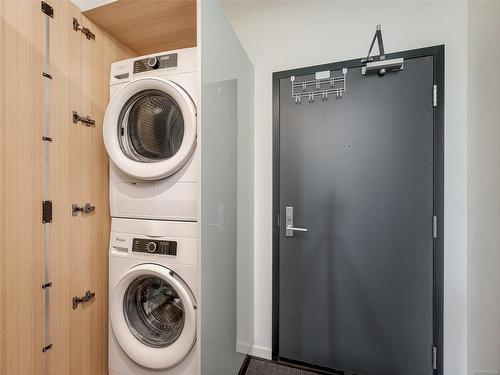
(149, 26)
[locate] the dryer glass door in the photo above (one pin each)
(151, 126)
(154, 311)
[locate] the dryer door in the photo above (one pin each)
(153, 316)
(150, 128)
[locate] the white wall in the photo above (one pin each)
(484, 187)
(279, 35)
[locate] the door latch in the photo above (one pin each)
(85, 120)
(86, 298)
(87, 209)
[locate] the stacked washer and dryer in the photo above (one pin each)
(150, 135)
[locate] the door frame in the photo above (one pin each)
(437, 53)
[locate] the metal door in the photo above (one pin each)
(357, 290)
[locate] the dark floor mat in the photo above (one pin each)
(258, 367)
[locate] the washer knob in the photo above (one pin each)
(153, 63)
(151, 247)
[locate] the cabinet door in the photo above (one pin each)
(21, 176)
(97, 56)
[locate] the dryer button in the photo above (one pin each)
(152, 247)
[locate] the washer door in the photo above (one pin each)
(153, 316)
(150, 128)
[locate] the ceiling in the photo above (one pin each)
(90, 4)
(148, 26)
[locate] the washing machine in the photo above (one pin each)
(149, 130)
(153, 298)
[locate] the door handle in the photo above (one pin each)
(289, 228)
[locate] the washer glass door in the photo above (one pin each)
(154, 311)
(151, 126)
(153, 316)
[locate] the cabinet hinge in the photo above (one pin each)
(435, 96)
(47, 9)
(85, 31)
(434, 227)
(46, 139)
(47, 75)
(85, 120)
(47, 285)
(434, 357)
(46, 212)
(45, 348)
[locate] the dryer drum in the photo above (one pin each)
(150, 126)
(154, 311)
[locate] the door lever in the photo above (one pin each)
(289, 228)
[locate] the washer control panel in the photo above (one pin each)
(156, 62)
(143, 245)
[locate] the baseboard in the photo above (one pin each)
(260, 351)
(243, 347)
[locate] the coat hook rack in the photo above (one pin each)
(323, 85)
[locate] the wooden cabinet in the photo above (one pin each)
(72, 250)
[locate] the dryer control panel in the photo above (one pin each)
(143, 245)
(156, 62)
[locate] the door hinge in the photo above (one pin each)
(86, 209)
(46, 212)
(84, 299)
(47, 75)
(434, 357)
(47, 285)
(85, 120)
(45, 348)
(47, 9)
(46, 139)
(86, 31)
(278, 220)
(435, 96)
(434, 227)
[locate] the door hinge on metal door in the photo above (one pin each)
(85, 120)
(435, 96)
(434, 227)
(434, 357)
(86, 31)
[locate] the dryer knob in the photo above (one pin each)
(152, 247)
(153, 62)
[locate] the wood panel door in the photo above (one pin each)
(21, 176)
(77, 170)
(65, 159)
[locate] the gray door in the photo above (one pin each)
(356, 289)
